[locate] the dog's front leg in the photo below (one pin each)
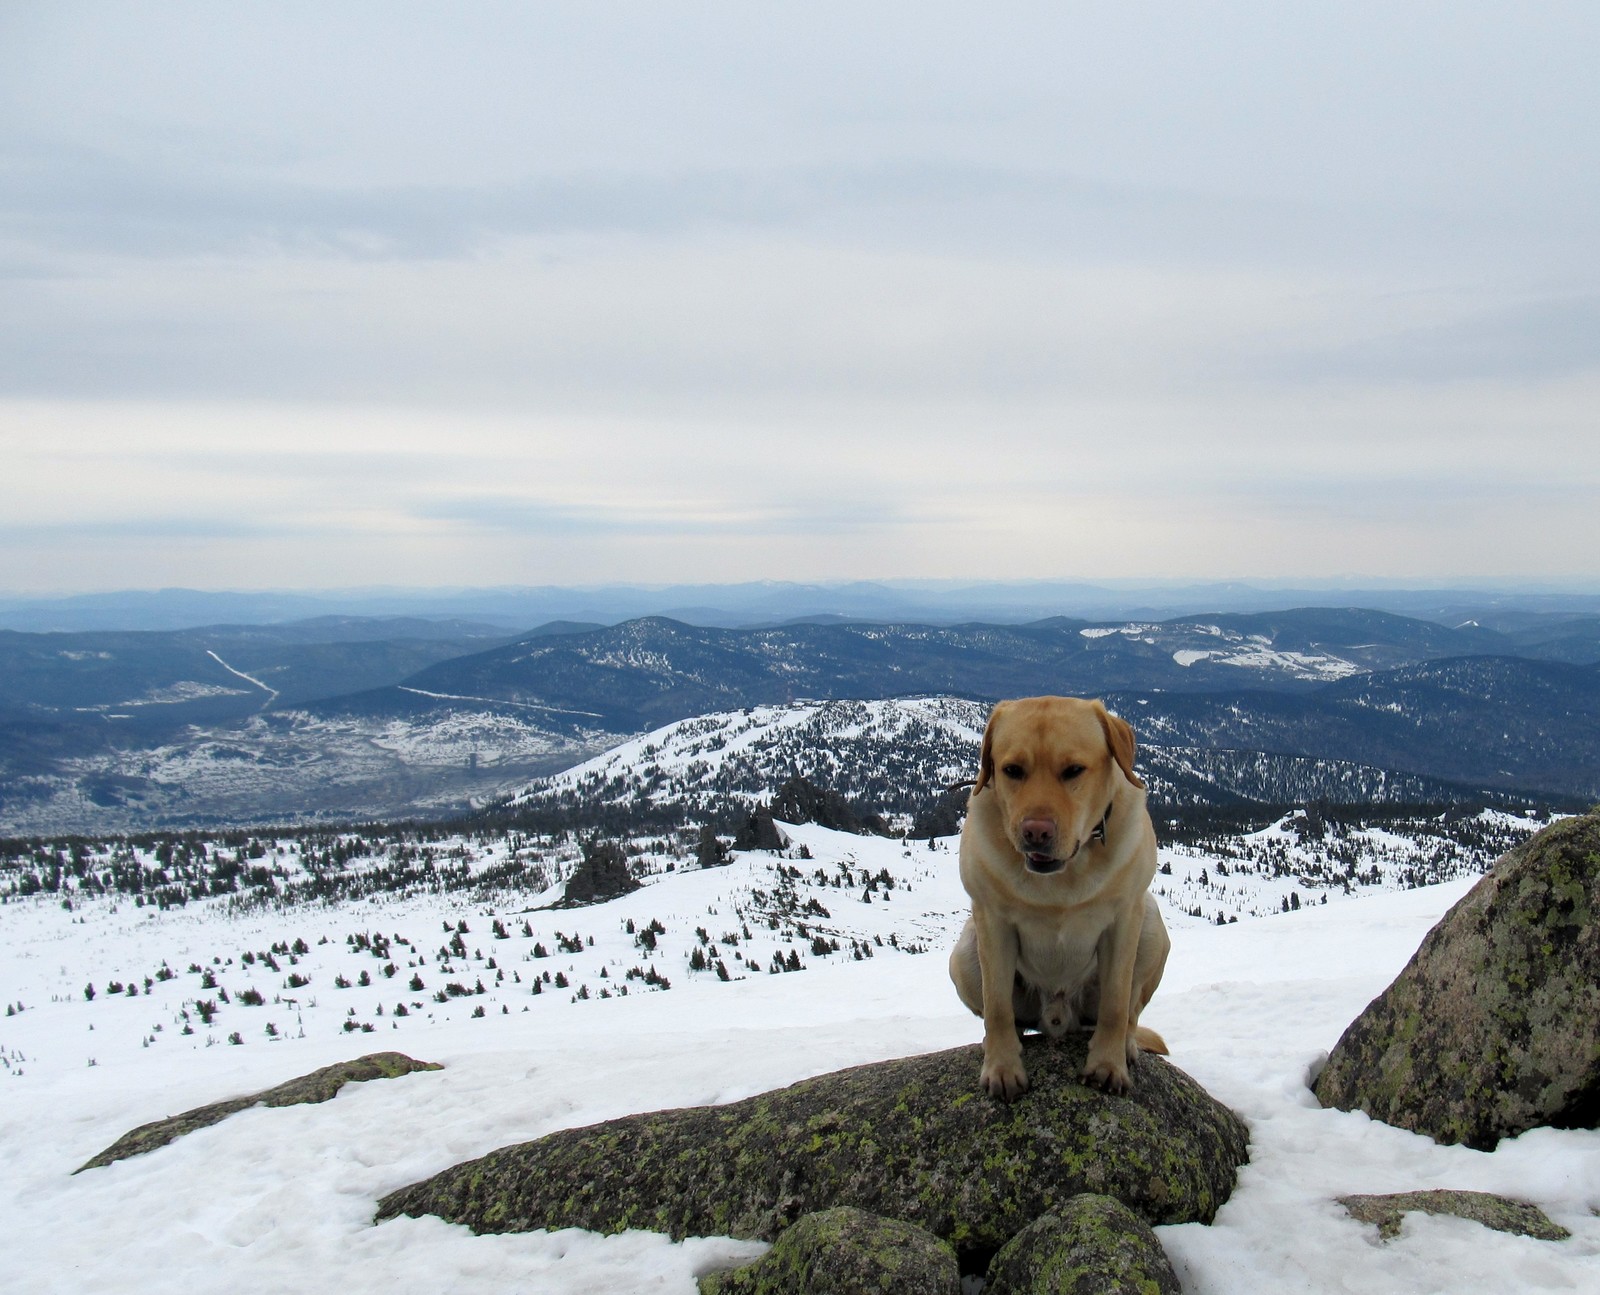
(1003, 1075)
(1107, 1064)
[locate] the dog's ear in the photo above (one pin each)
(1119, 737)
(986, 758)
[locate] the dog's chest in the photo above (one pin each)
(1059, 954)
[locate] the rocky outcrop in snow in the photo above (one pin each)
(1497, 1212)
(1493, 1027)
(319, 1086)
(1093, 1245)
(912, 1139)
(845, 1249)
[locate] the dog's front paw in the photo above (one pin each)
(1003, 1077)
(1108, 1068)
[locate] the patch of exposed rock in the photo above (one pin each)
(912, 1139)
(1497, 1212)
(1493, 1028)
(1093, 1245)
(844, 1249)
(319, 1086)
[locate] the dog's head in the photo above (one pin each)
(1055, 764)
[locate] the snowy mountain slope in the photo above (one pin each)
(891, 755)
(200, 924)
(271, 1200)
(114, 914)
(896, 756)
(1497, 722)
(853, 900)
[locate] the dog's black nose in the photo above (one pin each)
(1038, 834)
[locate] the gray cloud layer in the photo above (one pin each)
(578, 292)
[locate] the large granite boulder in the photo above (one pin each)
(841, 1250)
(1493, 1027)
(1093, 1245)
(913, 1139)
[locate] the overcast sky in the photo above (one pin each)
(336, 294)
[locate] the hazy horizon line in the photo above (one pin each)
(1395, 584)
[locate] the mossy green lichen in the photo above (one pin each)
(841, 1250)
(1093, 1245)
(1494, 1026)
(1497, 1212)
(318, 1086)
(903, 1139)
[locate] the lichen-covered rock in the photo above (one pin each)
(1092, 1245)
(834, 1252)
(318, 1086)
(1493, 1028)
(913, 1139)
(1497, 1212)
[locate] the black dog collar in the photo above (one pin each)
(1099, 834)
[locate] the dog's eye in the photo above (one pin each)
(1013, 771)
(1071, 772)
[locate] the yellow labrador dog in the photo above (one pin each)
(1057, 855)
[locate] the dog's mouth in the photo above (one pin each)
(1044, 862)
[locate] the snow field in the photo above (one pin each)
(270, 1200)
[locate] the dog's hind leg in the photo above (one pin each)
(966, 974)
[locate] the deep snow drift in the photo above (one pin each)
(272, 1200)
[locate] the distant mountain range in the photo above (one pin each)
(347, 717)
(772, 602)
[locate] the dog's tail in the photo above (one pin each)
(1149, 1041)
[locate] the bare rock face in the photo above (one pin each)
(319, 1086)
(1093, 1245)
(1493, 1028)
(912, 1139)
(841, 1250)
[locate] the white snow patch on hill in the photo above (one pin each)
(1231, 648)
